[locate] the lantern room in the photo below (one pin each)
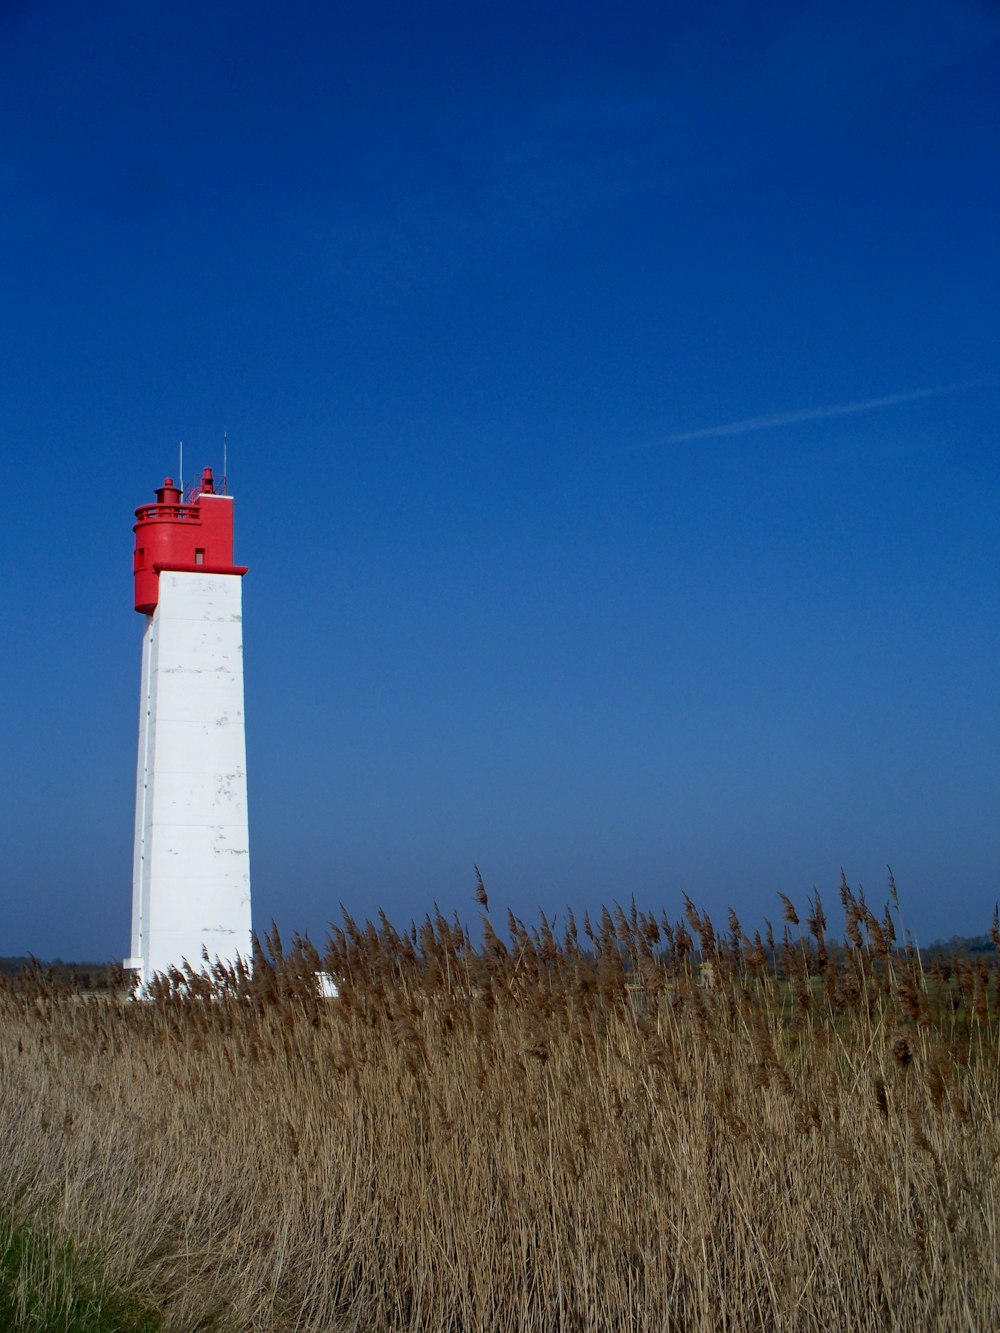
(189, 536)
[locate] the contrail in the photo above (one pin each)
(773, 419)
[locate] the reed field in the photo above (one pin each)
(624, 1123)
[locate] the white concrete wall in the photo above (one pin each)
(191, 871)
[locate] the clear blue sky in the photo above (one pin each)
(612, 404)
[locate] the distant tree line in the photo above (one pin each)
(104, 976)
(958, 944)
(83, 976)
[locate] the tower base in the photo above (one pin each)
(191, 870)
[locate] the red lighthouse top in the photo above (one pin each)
(192, 538)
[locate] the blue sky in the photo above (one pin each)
(612, 400)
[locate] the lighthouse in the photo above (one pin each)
(191, 866)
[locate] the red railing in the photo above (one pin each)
(154, 513)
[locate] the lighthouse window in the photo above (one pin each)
(138, 557)
(199, 556)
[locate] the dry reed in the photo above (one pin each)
(638, 1124)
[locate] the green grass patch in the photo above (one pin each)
(47, 1287)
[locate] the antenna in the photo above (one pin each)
(180, 468)
(225, 473)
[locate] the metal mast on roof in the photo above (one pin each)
(180, 468)
(225, 473)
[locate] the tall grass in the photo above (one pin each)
(631, 1123)
(45, 1287)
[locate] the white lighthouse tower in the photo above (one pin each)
(191, 870)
